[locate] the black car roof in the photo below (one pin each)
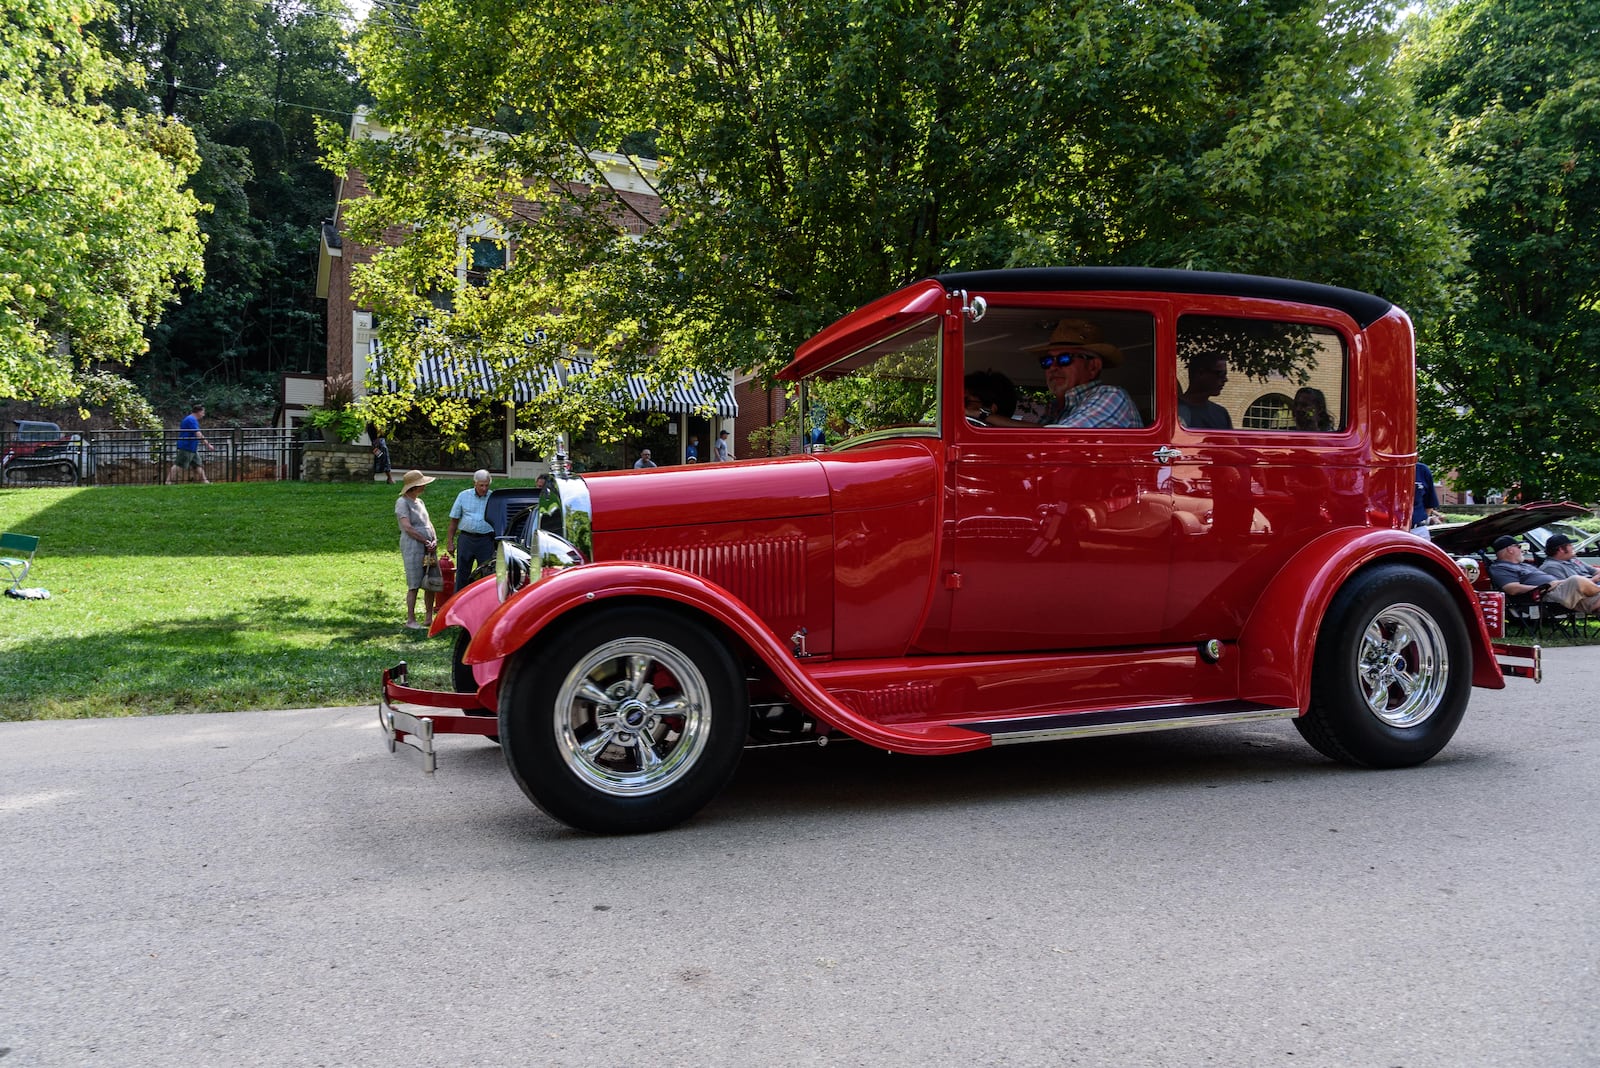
(1364, 308)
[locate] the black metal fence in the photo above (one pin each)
(146, 457)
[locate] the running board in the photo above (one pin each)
(1124, 721)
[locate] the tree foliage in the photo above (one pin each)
(812, 155)
(97, 233)
(250, 78)
(1510, 380)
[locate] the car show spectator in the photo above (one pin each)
(1514, 577)
(1559, 560)
(190, 439)
(417, 541)
(643, 461)
(719, 450)
(380, 454)
(471, 528)
(1424, 502)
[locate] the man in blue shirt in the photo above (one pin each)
(476, 533)
(1424, 502)
(189, 441)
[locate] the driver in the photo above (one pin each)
(1072, 360)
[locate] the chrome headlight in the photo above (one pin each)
(556, 552)
(1469, 568)
(515, 565)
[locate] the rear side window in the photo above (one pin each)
(1261, 374)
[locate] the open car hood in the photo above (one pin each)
(1480, 533)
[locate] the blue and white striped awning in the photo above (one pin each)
(693, 393)
(454, 375)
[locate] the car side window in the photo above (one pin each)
(1073, 368)
(1260, 374)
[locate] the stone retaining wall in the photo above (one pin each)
(327, 462)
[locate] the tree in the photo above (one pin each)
(249, 77)
(812, 155)
(97, 233)
(1510, 374)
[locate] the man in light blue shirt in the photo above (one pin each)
(476, 533)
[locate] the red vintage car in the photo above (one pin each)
(953, 563)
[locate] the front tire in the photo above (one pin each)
(631, 721)
(1393, 671)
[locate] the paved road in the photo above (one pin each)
(275, 889)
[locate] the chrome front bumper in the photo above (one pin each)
(457, 713)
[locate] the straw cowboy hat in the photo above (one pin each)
(1080, 334)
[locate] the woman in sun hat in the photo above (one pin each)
(417, 539)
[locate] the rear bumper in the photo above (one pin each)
(415, 728)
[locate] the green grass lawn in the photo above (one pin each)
(210, 598)
(215, 598)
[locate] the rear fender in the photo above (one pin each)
(1279, 641)
(534, 609)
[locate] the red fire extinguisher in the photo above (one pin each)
(447, 568)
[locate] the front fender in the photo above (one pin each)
(528, 612)
(468, 607)
(1279, 641)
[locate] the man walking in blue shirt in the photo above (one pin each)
(189, 441)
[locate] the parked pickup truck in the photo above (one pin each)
(944, 564)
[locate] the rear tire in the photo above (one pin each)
(1393, 671)
(630, 721)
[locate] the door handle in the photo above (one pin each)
(1166, 454)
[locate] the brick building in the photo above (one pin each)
(352, 342)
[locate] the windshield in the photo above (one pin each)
(887, 389)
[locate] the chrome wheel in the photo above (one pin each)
(1383, 694)
(632, 716)
(1403, 665)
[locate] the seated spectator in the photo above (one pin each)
(1208, 373)
(1072, 359)
(1513, 577)
(1310, 409)
(1560, 560)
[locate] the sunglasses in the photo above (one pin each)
(1064, 359)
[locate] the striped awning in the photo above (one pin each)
(692, 394)
(452, 375)
(466, 376)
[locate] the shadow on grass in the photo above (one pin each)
(278, 651)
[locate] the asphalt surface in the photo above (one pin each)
(275, 888)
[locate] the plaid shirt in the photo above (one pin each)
(1094, 404)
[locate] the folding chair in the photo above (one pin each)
(18, 566)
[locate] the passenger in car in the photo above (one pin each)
(1310, 410)
(1208, 373)
(989, 393)
(1072, 360)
